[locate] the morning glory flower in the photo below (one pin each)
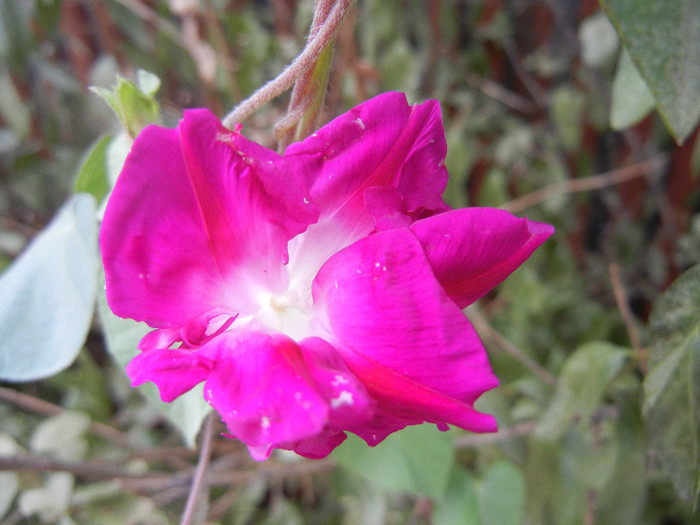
(317, 292)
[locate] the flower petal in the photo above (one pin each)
(472, 250)
(349, 402)
(383, 142)
(199, 220)
(379, 302)
(173, 371)
(260, 385)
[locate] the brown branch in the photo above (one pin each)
(485, 328)
(596, 182)
(39, 406)
(198, 484)
(95, 470)
(506, 434)
(627, 317)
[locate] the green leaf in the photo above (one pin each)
(61, 436)
(663, 39)
(134, 107)
(92, 177)
(50, 502)
(631, 99)
(148, 82)
(672, 387)
(501, 495)
(9, 480)
(12, 109)
(460, 502)
(417, 458)
(47, 296)
(122, 336)
(598, 39)
(582, 381)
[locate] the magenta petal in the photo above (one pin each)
(199, 220)
(382, 143)
(402, 401)
(380, 303)
(261, 387)
(318, 446)
(173, 371)
(472, 250)
(349, 402)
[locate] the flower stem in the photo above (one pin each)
(303, 63)
(306, 101)
(198, 479)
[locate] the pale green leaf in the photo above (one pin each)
(61, 436)
(460, 503)
(417, 459)
(501, 495)
(47, 295)
(598, 40)
(672, 387)
(631, 99)
(148, 82)
(50, 501)
(12, 110)
(582, 381)
(9, 480)
(122, 336)
(663, 39)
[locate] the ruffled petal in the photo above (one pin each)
(173, 371)
(348, 399)
(200, 219)
(402, 401)
(260, 385)
(383, 142)
(378, 301)
(472, 250)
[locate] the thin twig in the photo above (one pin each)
(488, 331)
(475, 440)
(96, 470)
(298, 67)
(627, 317)
(202, 463)
(39, 406)
(596, 182)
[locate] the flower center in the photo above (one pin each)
(288, 313)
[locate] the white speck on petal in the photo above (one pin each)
(360, 123)
(344, 398)
(377, 264)
(306, 201)
(339, 380)
(264, 422)
(140, 276)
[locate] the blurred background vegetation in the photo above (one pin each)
(528, 89)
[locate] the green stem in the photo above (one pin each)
(202, 464)
(303, 63)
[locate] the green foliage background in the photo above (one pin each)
(549, 109)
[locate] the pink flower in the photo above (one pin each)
(317, 292)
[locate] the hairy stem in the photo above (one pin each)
(298, 67)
